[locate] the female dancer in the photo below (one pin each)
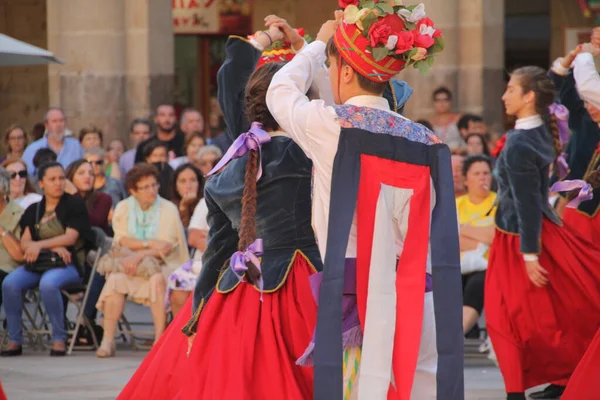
(264, 326)
(542, 295)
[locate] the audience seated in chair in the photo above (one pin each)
(149, 244)
(58, 224)
(476, 216)
(11, 255)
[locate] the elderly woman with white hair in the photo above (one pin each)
(11, 254)
(207, 158)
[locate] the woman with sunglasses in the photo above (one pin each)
(59, 224)
(22, 190)
(103, 183)
(445, 121)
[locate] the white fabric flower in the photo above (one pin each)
(427, 30)
(413, 16)
(392, 41)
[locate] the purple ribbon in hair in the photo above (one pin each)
(251, 140)
(562, 166)
(562, 117)
(240, 258)
(584, 194)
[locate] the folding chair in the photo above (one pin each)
(101, 247)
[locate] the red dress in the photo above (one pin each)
(541, 334)
(587, 226)
(244, 349)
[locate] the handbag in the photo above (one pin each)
(47, 259)
(112, 262)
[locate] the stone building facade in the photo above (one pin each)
(119, 60)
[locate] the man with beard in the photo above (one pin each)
(67, 149)
(165, 121)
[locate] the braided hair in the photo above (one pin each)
(257, 110)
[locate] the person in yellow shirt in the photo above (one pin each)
(476, 213)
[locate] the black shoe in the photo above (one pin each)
(550, 392)
(12, 352)
(58, 353)
(515, 396)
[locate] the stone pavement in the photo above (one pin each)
(36, 376)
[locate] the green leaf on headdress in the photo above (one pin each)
(385, 8)
(367, 4)
(430, 59)
(410, 26)
(438, 46)
(367, 22)
(423, 67)
(379, 53)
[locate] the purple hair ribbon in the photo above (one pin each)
(251, 140)
(562, 116)
(240, 258)
(584, 194)
(562, 166)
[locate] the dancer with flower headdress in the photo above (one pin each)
(253, 311)
(383, 211)
(542, 276)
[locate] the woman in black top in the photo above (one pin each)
(59, 223)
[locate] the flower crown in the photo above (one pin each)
(380, 38)
(280, 50)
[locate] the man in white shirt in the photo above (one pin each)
(325, 134)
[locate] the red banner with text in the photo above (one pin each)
(194, 17)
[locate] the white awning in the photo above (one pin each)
(14, 52)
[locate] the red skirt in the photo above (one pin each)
(585, 382)
(586, 226)
(2, 395)
(163, 372)
(540, 334)
(246, 349)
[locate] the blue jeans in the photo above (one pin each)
(90, 310)
(50, 283)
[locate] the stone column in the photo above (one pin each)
(118, 60)
(481, 50)
(445, 69)
(23, 89)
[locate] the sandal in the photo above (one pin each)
(107, 348)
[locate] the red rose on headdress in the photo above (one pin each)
(379, 33)
(301, 32)
(426, 25)
(405, 42)
(424, 41)
(346, 3)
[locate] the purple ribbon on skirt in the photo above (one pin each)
(584, 194)
(240, 258)
(562, 167)
(352, 335)
(251, 140)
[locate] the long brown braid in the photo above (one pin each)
(535, 79)
(256, 105)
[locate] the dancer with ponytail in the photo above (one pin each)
(542, 294)
(259, 216)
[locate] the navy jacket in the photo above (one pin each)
(522, 171)
(284, 202)
(584, 140)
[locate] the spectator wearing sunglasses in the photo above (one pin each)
(11, 254)
(22, 190)
(103, 183)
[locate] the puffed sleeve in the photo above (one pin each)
(221, 244)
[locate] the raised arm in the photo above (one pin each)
(241, 58)
(587, 79)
